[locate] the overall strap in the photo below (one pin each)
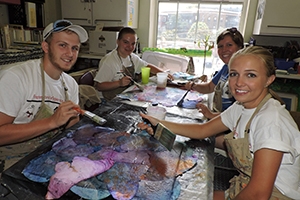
(266, 98)
(43, 85)
(43, 82)
(65, 88)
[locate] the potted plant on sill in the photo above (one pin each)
(208, 45)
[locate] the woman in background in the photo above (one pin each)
(119, 67)
(228, 42)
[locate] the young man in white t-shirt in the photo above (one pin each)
(24, 120)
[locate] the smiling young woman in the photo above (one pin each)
(264, 138)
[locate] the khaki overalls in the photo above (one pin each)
(217, 98)
(239, 153)
(129, 71)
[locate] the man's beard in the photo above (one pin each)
(53, 58)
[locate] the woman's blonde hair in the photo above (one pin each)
(264, 54)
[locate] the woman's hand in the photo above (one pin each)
(124, 81)
(170, 77)
(206, 111)
(189, 85)
(203, 78)
(145, 126)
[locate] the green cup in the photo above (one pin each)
(145, 74)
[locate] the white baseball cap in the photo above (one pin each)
(61, 25)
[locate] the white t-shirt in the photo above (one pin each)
(110, 66)
(272, 128)
(21, 90)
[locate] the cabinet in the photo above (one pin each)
(277, 17)
(31, 16)
(113, 13)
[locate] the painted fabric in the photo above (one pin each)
(167, 97)
(132, 165)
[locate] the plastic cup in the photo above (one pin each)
(145, 74)
(162, 78)
(157, 112)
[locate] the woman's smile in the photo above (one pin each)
(248, 80)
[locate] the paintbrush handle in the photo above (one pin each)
(91, 115)
(138, 85)
(135, 83)
(180, 102)
(185, 94)
(79, 110)
(95, 118)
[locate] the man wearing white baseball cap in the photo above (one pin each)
(61, 25)
(37, 96)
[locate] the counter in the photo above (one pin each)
(197, 183)
(90, 55)
(288, 76)
(287, 83)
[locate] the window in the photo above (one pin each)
(185, 23)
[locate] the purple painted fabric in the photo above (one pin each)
(68, 174)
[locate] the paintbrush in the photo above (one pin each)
(91, 115)
(134, 82)
(138, 85)
(162, 134)
(180, 102)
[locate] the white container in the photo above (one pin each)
(157, 112)
(162, 78)
(166, 61)
(102, 42)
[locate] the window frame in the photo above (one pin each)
(154, 13)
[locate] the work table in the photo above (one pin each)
(196, 183)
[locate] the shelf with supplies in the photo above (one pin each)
(281, 74)
(14, 35)
(29, 13)
(19, 54)
(285, 85)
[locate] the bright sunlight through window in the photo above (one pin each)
(183, 25)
